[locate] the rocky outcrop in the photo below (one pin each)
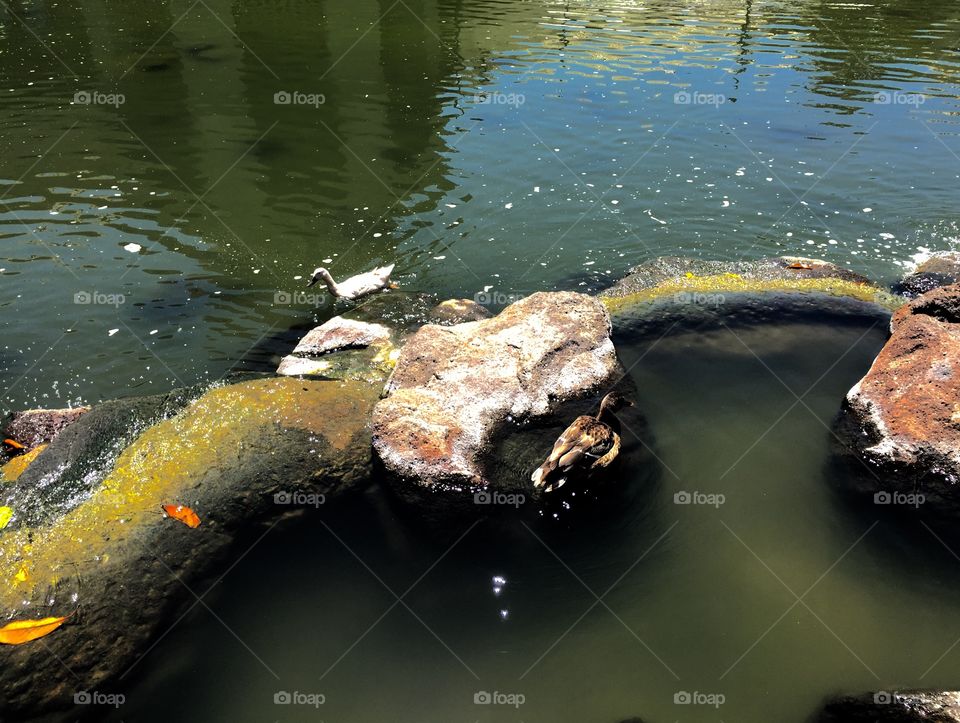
(34, 427)
(903, 418)
(342, 348)
(87, 531)
(942, 269)
(915, 706)
(455, 388)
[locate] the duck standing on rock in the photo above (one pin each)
(587, 445)
(356, 286)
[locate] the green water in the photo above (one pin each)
(501, 147)
(419, 147)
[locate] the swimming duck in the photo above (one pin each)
(356, 286)
(589, 444)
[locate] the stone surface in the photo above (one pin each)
(458, 311)
(87, 514)
(454, 388)
(697, 282)
(916, 706)
(941, 269)
(39, 426)
(903, 417)
(339, 333)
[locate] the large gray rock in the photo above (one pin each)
(916, 706)
(455, 388)
(941, 269)
(339, 333)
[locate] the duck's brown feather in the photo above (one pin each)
(586, 444)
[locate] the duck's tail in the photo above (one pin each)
(548, 476)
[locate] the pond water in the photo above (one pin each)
(508, 146)
(171, 172)
(696, 598)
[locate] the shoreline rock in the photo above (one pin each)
(455, 388)
(903, 418)
(34, 427)
(914, 706)
(941, 269)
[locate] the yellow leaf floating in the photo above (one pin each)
(23, 631)
(21, 575)
(5, 514)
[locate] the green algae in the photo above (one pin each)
(737, 283)
(169, 461)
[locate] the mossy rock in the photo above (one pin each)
(695, 283)
(243, 456)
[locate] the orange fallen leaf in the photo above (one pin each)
(798, 265)
(182, 513)
(14, 443)
(23, 631)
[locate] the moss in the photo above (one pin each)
(735, 283)
(12, 470)
(171, 458)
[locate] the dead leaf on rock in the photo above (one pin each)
(23, 631)
(182, 513)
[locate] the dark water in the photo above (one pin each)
(695, 597)
(503, 147)
(510, 145)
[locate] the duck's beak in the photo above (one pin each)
(311, 282)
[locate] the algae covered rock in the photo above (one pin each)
(903, 418)
(92, 541)
(455, 388)
(39, 426)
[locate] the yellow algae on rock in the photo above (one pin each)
(169, 460)
(12, 470)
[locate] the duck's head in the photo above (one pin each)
(614, 402)
(319, 274)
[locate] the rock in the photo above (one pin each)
(457, 311)
(294, 366)
(894, 707)
(903, 417)
(339, 333)
(455, 388)
(242, 456)
(693, 282)
(39, 426)
(939, 270)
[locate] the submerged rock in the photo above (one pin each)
(903, 418)
(457, 311)
(455, 388)
(698, 282)
(939, 270)
(917, 706)
(39, 426)
(90, 535)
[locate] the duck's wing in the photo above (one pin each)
(584, 441)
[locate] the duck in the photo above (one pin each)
(356, 286)
(589, 444)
